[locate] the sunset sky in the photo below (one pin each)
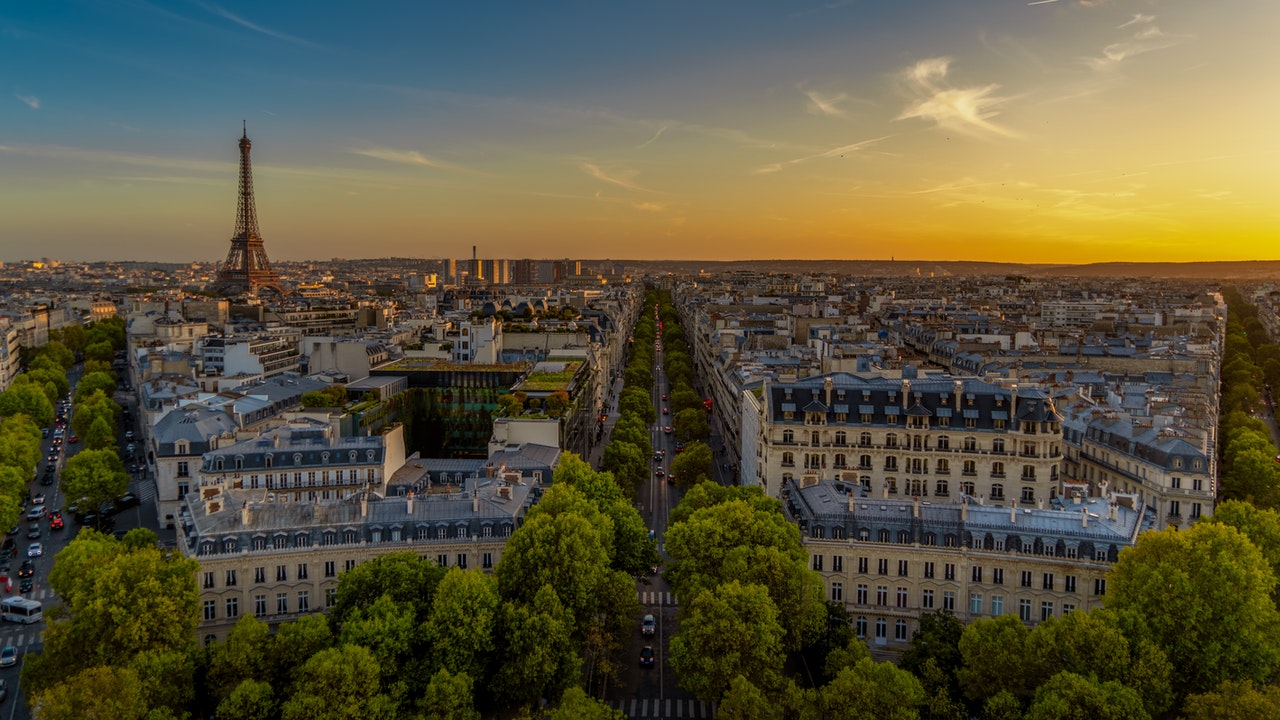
(1051, 131)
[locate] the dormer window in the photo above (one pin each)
(217, 464)
(239, 462)
(181, 448)
(297, 458)
(269, 458)
(324, 456)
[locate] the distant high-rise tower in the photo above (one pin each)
(247, 271)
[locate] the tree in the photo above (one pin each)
(101, 435)
(448, 697)
(744, 701)
(577, 705)
(626, 462)
(244, 656)
(404, 576)
(93, 382)
(390, 632)
(463, 623)
(91, 477)
(1204, 596)
(19, 444)
(118, 602)
(938, 639)
(1233, 700)
(994, 653)
(90, 409)
(339, 683)
(631, 549)
(27, 398)
(1261, 526)
(840, 658)
(693, 466)
(691, 424)
(294, 644)
(539, 660)
(727, 631)
(250, 700)
(874, 691)
(104, 691)
(1068, 696)
(557, 402)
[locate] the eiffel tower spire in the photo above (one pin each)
(246, 270)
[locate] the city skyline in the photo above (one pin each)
(1051, 131)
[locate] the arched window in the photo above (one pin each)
(839, 460)
(997, 469)
(788, 459)
(944, 442)
(883, 536)
(891, 440)
(900, 631)
(814, 439)
(942, 488)
(997, 491)
(864, 439)
(904, 537)
(841, 438)
(788, 436)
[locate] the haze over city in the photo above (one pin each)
(1047, 131)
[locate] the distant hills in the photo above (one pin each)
(1234, 270)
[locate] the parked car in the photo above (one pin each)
(126, 500)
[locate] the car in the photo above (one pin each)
(648, 626)
(679, 446)
(44, 432)
(26, 585)
(33, 532)
(8, 656)
(26, 569)
(38, 499)
(35, 550)
(128, 448)
(666, 410)
(57, 523)
(47, 480)
(35, 513)
(126, 500)
(660, 472)
(646, 656)
(668, 430)
(128, 435)
(664, 396)
(73, 439)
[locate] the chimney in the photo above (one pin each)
(475, 499)
(850, 501)
(1013, 512)
(915, 506)
(1013, 404)
(964, 509)
(1114, 513)
(245, 515)
(364, 504)
(409, 503)
(959, 385)
(906, 391)
(1084, 517)
(884, 491)
(826, 386)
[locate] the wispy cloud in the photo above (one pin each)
(228, 15)
(959, 109)
(32, 101)
(1147, 38)
(820, 104)
(407, 157)
(621, 178)
(1042, 2)
(650, 141)
(649, 206)
(835, 152)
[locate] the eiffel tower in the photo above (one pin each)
(246, 271)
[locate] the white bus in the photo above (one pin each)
(21, 610)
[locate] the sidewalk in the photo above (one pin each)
(611, 418)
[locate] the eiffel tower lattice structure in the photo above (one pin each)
(246, 271)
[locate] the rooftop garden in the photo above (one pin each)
(548, 381)
(437, 364)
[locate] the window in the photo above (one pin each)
(788, 459)
(184, 470)
(903, 567)
(860, 627)
(900, 631)
(260, 575)
(997, 491)
(1026, 578)
(837, 592)
(259, 605)
(902, 597)
(950, 570)
(862, 565)
(1024, 610)
(1046, 610)
(928, 570)
(1046, 581)
(969, 467)
(281, 573)
(282, 603)
(997, 445)
(304, 601)
(976, 573)
(462, 560)
(1175, 508)
(233, 608)
(817, 563)
(1195, 510)
(302, 571)
(208, 580)
(788, 436)
(1069, 583)
(882, 595)
(486, 561)
(210, 609)
(997, 605)
(975, 603)
(1068, 608)
(970, 444)
(997, 576)
(862, 594)
(926, 599)
(1197, 483)
(442, 560)
(1100, 586)
(997, 470)
(864, 439)
(330, 568)
(183, 489)
(1176, 482)
(330, 597)
(949, 600)
(882, 566)
(349, 565)
(231, 578)
(882, 629)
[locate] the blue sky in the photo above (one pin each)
(1060, 131)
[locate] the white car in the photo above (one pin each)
(35, 513)
(35, 550)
